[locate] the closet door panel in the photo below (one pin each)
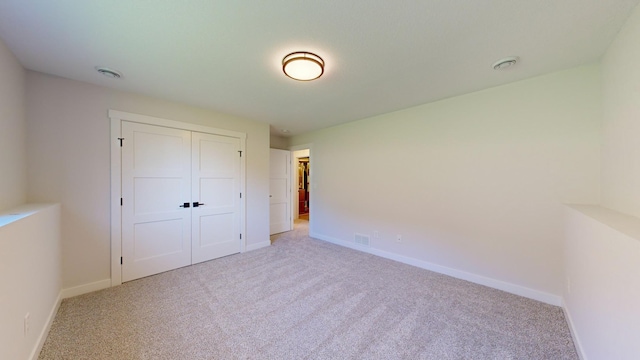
(156, 180)
(215, 185)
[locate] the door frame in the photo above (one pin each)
(116, 117)
(312, 184)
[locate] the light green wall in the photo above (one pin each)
(69, 162)
(472, 183)
(621, 121)
(13, 150)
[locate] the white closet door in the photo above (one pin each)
(156, 175)
(216, 185)
(279, 191)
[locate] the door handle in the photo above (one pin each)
(196, 204)
(186, 205)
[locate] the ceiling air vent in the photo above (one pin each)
(115, 74)
(505, 63)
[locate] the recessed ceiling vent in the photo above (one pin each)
(505, 63)
(114, 74)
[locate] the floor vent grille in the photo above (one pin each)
(361, 239)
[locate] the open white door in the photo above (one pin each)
(156, 184)
(216, 196)
(280, 191)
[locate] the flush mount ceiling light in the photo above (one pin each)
(109, 72)
(505, 63)
(303, 66)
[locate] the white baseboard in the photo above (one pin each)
(63, 294)
(35, 353)
(478, 279)
(259, 245)
(86, 288)
(574, 333)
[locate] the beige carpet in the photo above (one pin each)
(305, 299)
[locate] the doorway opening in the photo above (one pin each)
(303, 188)
(301, 163)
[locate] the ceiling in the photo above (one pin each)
(380, 55)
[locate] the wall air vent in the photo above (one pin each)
(361, 239)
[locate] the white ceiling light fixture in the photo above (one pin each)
(115, 74)
(303, 66)
(505, 63)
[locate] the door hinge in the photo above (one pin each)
(121, 202)
(240, 236)
(120, 260)
(240, 151)
(120, 141)
(240, 195)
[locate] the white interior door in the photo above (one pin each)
(156, 181)
(216, 196)
(280, 191)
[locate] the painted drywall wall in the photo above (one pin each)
(69, 159)
(473, 183)
(621, 120)
(279, 142)
(13, 151)
(602, 246)
(602, 293)
(30, 274)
